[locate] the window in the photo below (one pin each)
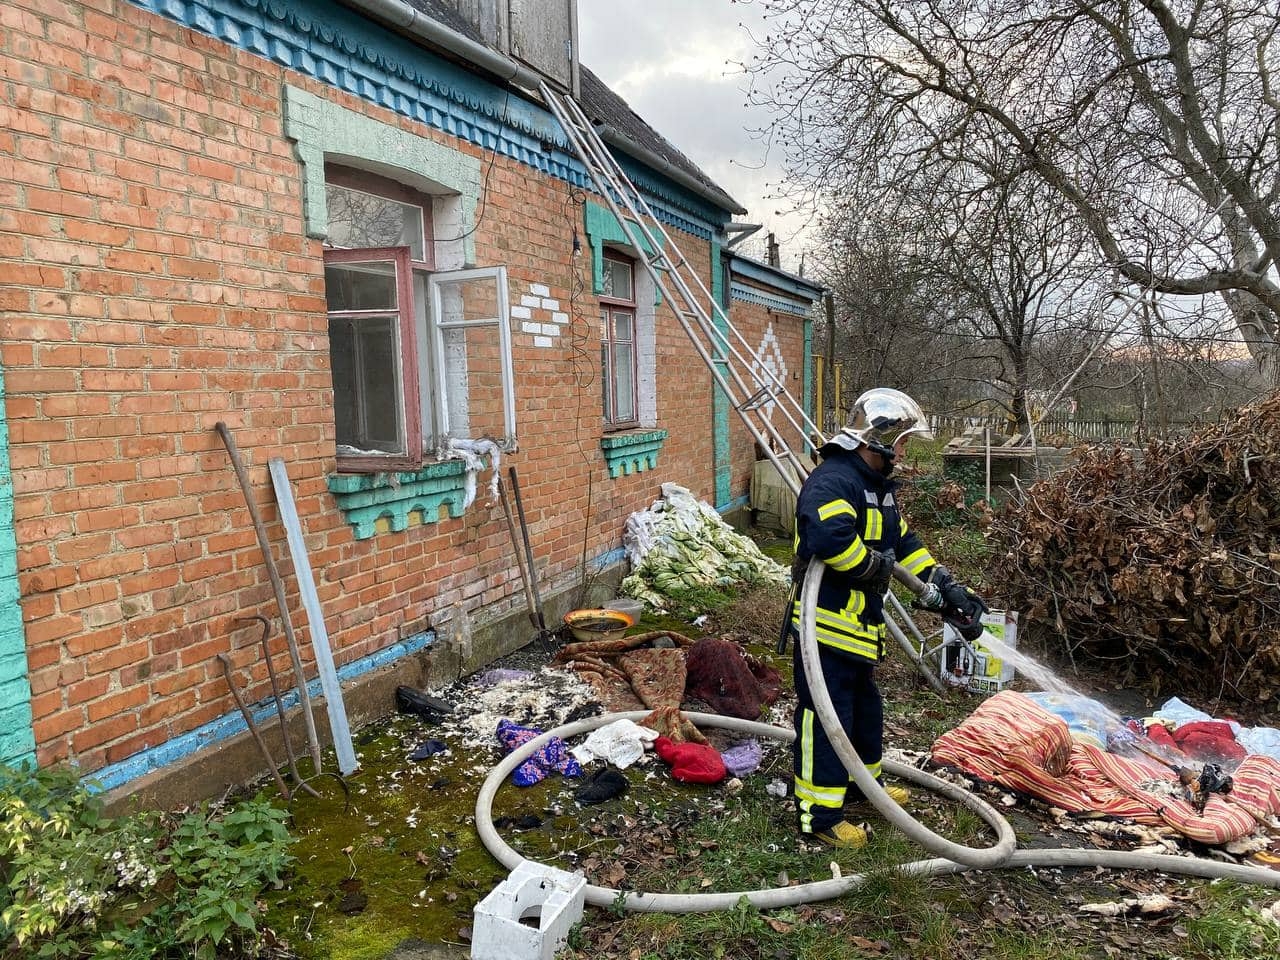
(419, 357)
(618, 343)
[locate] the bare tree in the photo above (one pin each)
(964, 289)
(1158, 121)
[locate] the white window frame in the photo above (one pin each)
(442, 429)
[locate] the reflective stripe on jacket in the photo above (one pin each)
(844, 511)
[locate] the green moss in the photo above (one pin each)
(406, 843)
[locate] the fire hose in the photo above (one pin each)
(951, 857)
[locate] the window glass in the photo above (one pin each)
(365, 352)
(361, 286)
(617, 280)
(358, 220)
(624, 368)
(618, 367)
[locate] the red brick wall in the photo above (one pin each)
(155, 278)
(752, 320)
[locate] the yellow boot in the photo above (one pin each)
(844, 834)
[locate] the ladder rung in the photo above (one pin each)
(758, 399)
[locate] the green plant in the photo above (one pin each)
(1231, 927)
(80, 884)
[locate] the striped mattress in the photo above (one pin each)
(1012, 741)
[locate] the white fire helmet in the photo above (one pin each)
(879, 419)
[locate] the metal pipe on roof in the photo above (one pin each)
(399, 14)
(402, 16)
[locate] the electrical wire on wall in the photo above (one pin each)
(584, 360)
(484, 183)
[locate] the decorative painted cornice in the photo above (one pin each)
(748, 294)
(634, 452)
(800, 287)
(603, 227)
(337, 46)
(364, 499)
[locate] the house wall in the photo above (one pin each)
(776, 326)
(159, 274)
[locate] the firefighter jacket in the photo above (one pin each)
(845, 510)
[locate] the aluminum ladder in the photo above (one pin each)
(751, 387)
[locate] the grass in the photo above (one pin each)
(1232, 927)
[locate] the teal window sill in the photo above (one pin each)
(632, 452)
(366, 498)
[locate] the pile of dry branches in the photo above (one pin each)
(1168, 562)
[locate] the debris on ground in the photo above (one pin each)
(1154, 903)
(681, 545)
(1163, 560)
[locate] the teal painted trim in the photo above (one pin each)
(320, 128)
(628, 453)
(230, 724)
(17, 741)
(364, 499)
(791, 283)
(349, 52)
(610, 558)
(603, 227)
(723, 455)
(808, 369)
(734, 504)
(799, 308)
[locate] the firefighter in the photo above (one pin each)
(847, 516)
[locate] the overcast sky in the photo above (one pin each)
(675, 63)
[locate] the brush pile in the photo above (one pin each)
(1167, 563)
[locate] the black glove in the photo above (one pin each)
(875, 579)
(954, 602)
(963, 609)
(798, 566)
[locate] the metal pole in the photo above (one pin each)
(986, 435)
(277, 586)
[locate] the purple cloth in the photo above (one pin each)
(552, 755)
(742, 758)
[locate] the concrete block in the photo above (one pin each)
(528, 916)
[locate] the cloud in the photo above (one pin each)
(678, 64)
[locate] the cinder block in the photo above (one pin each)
(528, 916)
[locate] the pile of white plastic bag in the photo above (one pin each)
(680, 545)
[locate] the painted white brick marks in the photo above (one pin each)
(540, 315)
(767, 365)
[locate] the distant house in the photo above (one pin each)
(350, 232)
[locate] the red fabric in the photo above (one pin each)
(1159, 733)
(691, 762)
(1012, 741)
(1209, 740)
(729, 679)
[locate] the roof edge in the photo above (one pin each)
(615, 137)
(753, 269)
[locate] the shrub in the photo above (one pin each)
(151, 885)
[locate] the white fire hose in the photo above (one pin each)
(951, 857)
